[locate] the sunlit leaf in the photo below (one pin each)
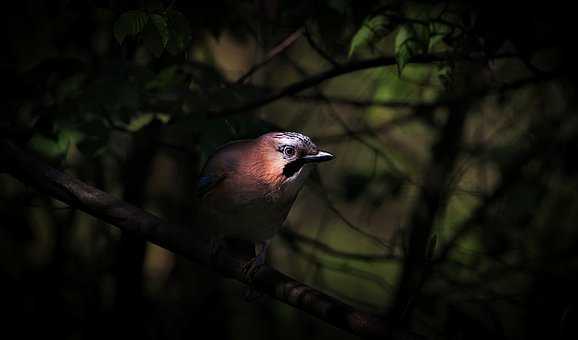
(130, 23)
(55, 146)
(161, 25)
(411, 40)
(143, 120)
(371, 30)
(438, 32)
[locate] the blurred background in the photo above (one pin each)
(452, 202)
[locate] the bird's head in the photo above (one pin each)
(287, 154)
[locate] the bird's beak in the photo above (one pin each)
(321, 156)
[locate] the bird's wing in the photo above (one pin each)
(208, 183)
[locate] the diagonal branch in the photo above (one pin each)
(321, 77)
(281, 47)
(340, 70)
(184, 241)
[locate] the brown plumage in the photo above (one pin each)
(247, 187)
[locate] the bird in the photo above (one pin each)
(247, 187)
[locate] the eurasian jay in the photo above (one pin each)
(247, 187)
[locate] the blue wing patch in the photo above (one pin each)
(208, 183)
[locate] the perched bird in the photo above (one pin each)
(247, 187)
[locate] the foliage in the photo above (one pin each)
(168, 29)
(371, 30)
(134, 96)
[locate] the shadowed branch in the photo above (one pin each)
(184, 241)
(320, 78)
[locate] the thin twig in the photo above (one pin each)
(319, 78)
(282, 46)
(318, 49)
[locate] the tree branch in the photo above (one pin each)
(281, 47)
(321, 77)
(291, 236)
(429, 205)
(185, 241)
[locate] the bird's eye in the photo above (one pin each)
(289, 151)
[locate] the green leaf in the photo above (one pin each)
(138, 122)
(153, 40)
(403, 47)
(161, 25)
(371, 30)
(445, 76)
(411, 40)
(438, 32)
(129, 23)
(180, 34)
(56, 146)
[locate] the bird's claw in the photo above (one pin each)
(249, 270)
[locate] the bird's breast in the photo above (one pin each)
(253, 211)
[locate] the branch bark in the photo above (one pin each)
(429, 205)
(184, 241)
(281, 47)
(321, 77)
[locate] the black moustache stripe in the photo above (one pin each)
(292, 167)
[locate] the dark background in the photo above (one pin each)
(452, 203)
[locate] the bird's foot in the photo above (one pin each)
(250, 269)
